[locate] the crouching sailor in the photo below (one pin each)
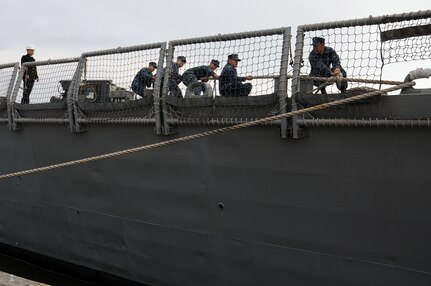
(325, 62)
(200, 73)
(144, 78)
(230, 83)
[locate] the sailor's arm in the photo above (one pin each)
(336, 64)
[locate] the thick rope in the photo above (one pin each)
(334, 79)
(208, 133)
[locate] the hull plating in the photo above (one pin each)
(343, 206)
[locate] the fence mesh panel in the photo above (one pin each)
(49, 87)
(5, 79)
(44, 96)
(105, 87)
(365, 52)
(407, 49)
(358, 48)
(376, 48)
(260, 55)
(6, 74)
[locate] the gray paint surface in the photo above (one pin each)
(345, 206)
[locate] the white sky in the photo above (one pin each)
(63, 29)
(60, 28)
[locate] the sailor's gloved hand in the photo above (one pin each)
(336, 72)
(420, 73)
(339, 78)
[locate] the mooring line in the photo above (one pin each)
(207, 133)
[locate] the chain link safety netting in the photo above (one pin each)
(6, 80)
(118, 83)
(214, 82)
(406, 41)
(369, 51)
(41, 89)
(381, 49)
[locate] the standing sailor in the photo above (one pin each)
(175, 78)
(29, 76)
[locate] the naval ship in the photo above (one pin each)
(286, 186)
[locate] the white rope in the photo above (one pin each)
(420, 73)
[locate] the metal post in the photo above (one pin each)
(12, 113)
(9, 95)
(72, 97)
(296, 79)
(282, 86)
(169, 58)
(157, 91)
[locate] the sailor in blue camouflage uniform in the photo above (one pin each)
(144, 78)
(230, 83)
(175, 77)
(29, 76)
(321, 59)
(202, 73)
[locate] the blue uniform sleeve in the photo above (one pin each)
(335, 59)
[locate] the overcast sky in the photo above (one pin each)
(60, 28)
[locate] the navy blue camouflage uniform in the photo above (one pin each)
(321, 66)
(30, 75)
(174, 80)
(195, 74)
(231, 84)
(142, 80)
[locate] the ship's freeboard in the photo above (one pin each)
(341, 205)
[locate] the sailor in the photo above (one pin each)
(30, 74)
(202, 73)
(230, 83)
(144, 78)
(325, 62)
(175, 77)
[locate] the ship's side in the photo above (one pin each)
(336, 196)
(345, 206)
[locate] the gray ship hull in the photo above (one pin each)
(345, 206)
(337, 195)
